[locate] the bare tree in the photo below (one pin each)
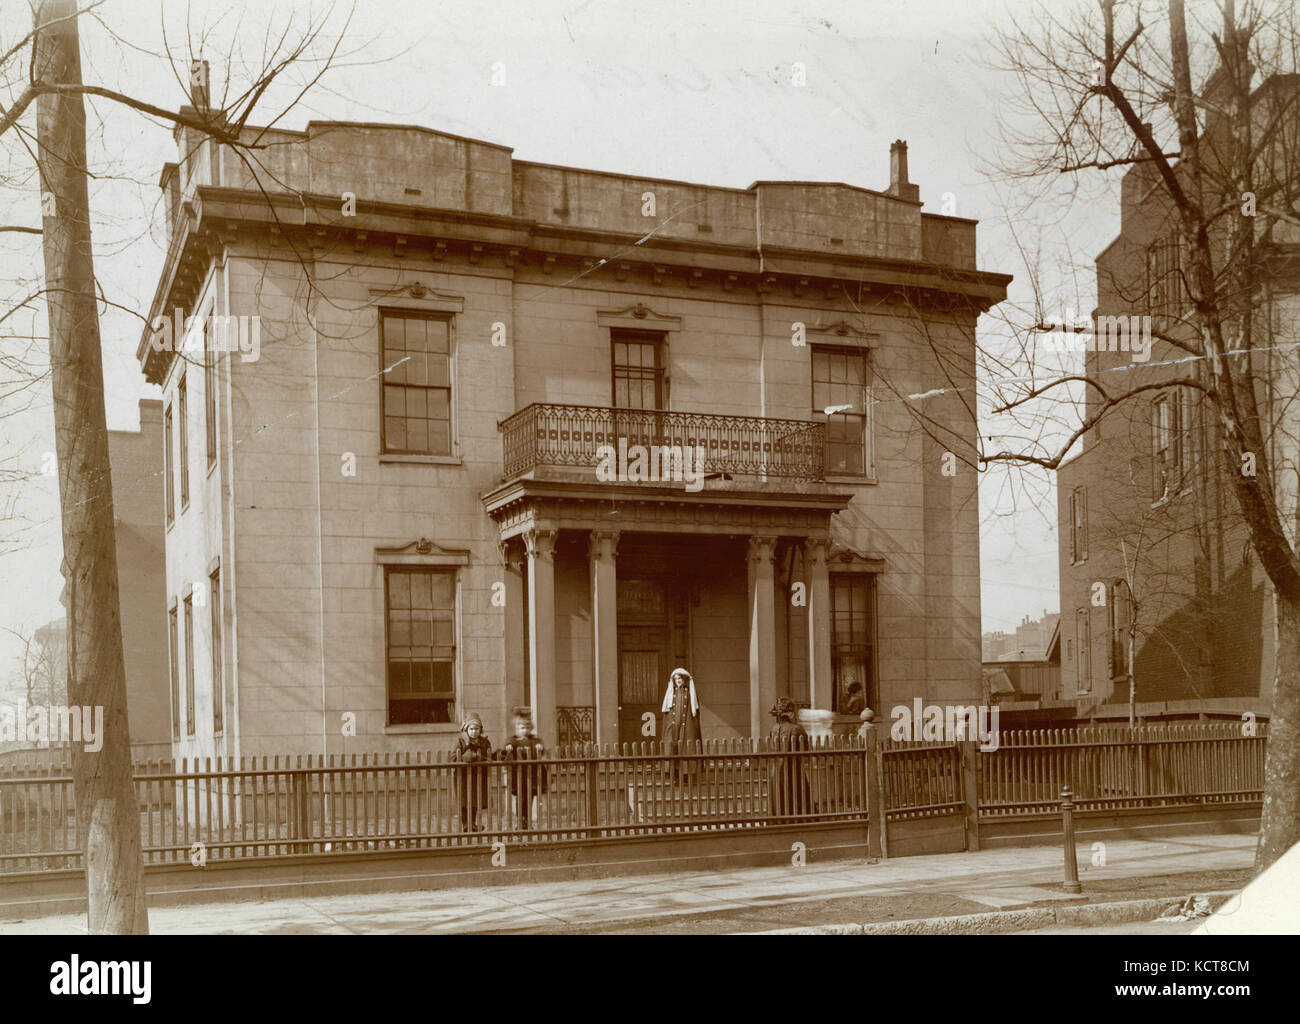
(51, 86)
(1110, 88)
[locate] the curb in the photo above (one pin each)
(994, 922)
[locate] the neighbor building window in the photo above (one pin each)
(1079, 524)
(1083, 667)
(417, 390)
(841, 380)
(174, 639)
(853, 631)
(218, 673)
(1165, 290)
(421, 612)
(210, 392)
(181, 415)
(169, 467)
(638, 369)
(1166, 446)
(1120, 612)
(189, 665)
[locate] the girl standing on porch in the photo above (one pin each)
(681, 728)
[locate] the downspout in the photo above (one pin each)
(229, 573)
(320, 539)
(762, 309)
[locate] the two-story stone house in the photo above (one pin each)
(430, 482)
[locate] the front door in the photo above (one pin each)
(651, 643)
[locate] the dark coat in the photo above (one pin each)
(680, 726)
(472, 776)
(525, 780)
(788, 791)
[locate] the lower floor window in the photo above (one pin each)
(420, 606)
(853, 631)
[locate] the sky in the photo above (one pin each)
(694, 91)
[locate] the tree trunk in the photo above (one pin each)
(1279, 827)
(108, 820)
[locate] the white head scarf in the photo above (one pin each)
(690, 683)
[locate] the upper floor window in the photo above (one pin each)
(1079, 524)
(1166, 446)
(169, 466)
(420, 607)
(841, 379)
(181, 416)
(209, 391)
(638, 369)
(416, 394)
(1165, 289)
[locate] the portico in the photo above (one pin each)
(622, 579)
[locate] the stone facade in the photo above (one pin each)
(565, 586)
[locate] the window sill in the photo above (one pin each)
(424, 460)
(421, 728)
(851, 478)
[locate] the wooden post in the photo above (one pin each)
(592, 767)
(877, 843)
(970, 791)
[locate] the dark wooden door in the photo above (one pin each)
(652, 641)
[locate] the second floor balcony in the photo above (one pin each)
(582, 437)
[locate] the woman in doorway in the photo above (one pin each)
(681, 725)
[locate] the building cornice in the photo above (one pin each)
(213, 219)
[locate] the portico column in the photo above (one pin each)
(762, 633)
(541, 630)
(515, 692)
(820, 680)
(602, 549)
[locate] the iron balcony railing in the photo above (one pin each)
(545, 434)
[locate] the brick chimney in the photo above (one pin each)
(898, 183)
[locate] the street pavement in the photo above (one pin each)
(993, 879)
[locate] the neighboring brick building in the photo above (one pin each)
(1149, 496)
(141, 577)
(138, 531)
(446, 541)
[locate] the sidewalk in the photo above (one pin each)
(989, 879)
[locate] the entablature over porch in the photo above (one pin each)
(523, 505)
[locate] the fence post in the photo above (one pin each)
(591, 768)
(1071, 884)
(969, 752)
(877, 844)
(297, 806)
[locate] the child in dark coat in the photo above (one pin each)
(787, 783)
(526, 782)
(473, 751)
